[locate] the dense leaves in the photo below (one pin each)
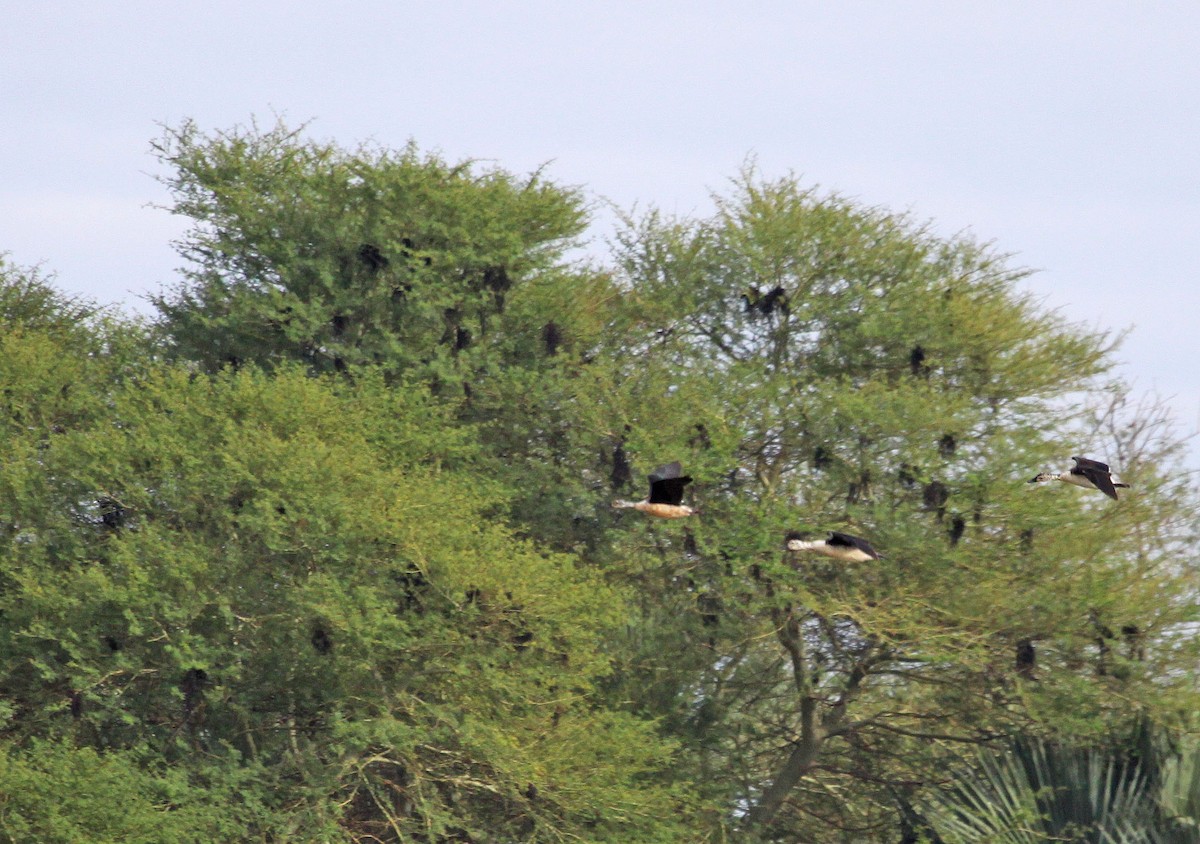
(338, 259)
(328, 553)
(301, 587)
(858, 373)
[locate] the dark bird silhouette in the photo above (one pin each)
(839, 546)
(666, 494)
(621, 472)
(372, 258)
(193, 684)
(957, 526)
(916, 361)
(1089, 474)
(321, 641)
(552, 337)
(947, 445)
(935, 496)
(821, 458)
(1026, 658)
(757, 302)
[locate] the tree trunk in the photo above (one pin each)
(798, 762)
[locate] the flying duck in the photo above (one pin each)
(840, 546)
(666, 494)
(1090, 474)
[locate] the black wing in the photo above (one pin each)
(845, 540)
(1082, 464)
(1097, 473)
(666, 484)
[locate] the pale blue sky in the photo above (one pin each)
(1067, 133)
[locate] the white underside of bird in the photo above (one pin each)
(654, 508)
(1077, 480)
(820, 546)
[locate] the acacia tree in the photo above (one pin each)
(302, 250)
(817, 365)
(449, 274)
(284, 607)
(849, 370)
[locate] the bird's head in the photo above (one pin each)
(795, 536)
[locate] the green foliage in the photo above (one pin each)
(853, 372)
(348, 559)
(1180, 792)
(301, 585)
(30, 302)
(54, 792)
(1041, 792)
(307, 252)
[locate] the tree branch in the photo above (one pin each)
(813, 732)
(982, 738)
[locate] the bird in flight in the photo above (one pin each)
(666, 494)
(1089, 474)
(839, 546)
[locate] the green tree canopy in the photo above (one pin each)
(451, 275)
(304, 251)
(331, 554)
(294, 594)
(820, 365)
